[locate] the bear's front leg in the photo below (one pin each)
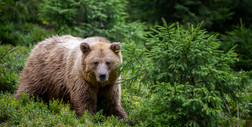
(83, 98)
(113, 102)
(117, 110)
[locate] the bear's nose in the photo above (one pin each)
(102, 76)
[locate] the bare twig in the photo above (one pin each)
(243, 110)
(231, 120)
(10, 51)
(238, 117)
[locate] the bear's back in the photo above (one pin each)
(94, 40)
(70, 42)
(67, 41)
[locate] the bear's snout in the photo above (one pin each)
(103, 77)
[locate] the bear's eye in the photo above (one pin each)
(108, 63)
(95, 63)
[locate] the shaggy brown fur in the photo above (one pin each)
(81, 71)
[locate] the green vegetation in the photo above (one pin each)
(11, 63)
(25, 112)
(242, 38)
(190, 79)
(179, 73)
(218, 15)
(90, 18)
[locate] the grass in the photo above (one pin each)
(25, 112)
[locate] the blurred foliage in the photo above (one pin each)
(242, 38)
(22, 20)
(218, 15)
(18, 20)
(189, 77)
(19, 11)
(12, 61)
(87, 18)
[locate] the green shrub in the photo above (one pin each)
(19, 11)
(91, 18)
(12, 61)
(189, 77)
(14, 17)
(23, 35)
(242, 37)
(29, 21)
(33, 34)
(25, 112)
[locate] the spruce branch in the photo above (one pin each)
(166, 27)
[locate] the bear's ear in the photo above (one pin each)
(85, 48)
(115, 46)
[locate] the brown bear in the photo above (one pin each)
(79, 71)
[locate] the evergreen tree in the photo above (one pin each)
(189, 77)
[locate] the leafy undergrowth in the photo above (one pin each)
(25, 112)
(12, 60)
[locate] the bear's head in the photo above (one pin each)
(100, 61)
